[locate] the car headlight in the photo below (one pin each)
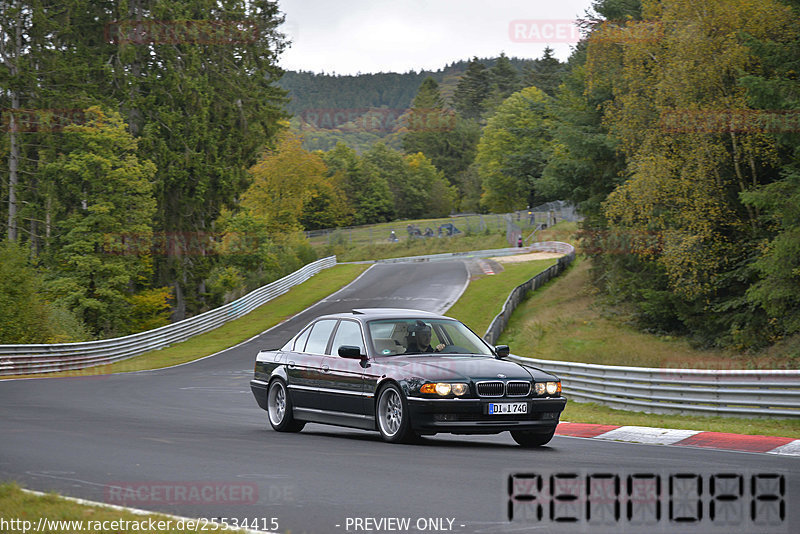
(444, 388)
(460, 388)
(551, 388)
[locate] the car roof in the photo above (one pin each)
(365, 314)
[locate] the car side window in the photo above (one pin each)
(348, 333)
(300, 344)
(320, 334)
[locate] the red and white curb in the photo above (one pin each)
(682, 438)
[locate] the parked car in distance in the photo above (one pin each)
(404, 373)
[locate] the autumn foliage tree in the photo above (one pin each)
(677, 111)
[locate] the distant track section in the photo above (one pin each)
(47, 358)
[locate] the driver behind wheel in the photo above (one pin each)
(419, 339)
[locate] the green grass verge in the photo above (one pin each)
(19, 507)
(484, 297)
(379, 233)
(266, 316)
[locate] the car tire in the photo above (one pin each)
(279, 408)
(392, 417)
(530, 439)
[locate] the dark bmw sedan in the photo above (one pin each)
(404, 373)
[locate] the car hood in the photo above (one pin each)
(451, 367)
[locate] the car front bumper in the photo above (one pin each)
(471, 416)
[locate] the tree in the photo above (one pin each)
(472, 91)
(204, 111)
(685, 177)
(368, 195)
(504, 80)
(514, 149)
(545, 73)
(49, 71)
(440, 196)
(283, 182)
(408, 191)
(23, 312)
(777, 289)
(448, 140)
(102, 247)
(327, 206)
(585, 165)
(776, 87)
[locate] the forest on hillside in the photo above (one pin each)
(146, 180)
(315, 100)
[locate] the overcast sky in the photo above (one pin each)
(351, 36)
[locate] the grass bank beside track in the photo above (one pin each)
(468, 226)
(414, 247)
(231, 333)
(18, 506)
(484, 297)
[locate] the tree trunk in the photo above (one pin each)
(13, 178)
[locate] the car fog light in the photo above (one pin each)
(553, 388)
(539, 388)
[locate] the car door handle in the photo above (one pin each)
(325, 368)
(291, 364)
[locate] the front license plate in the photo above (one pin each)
(508, 408)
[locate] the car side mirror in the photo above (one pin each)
(501, 351)
(350, 351)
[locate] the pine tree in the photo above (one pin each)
(204, 110)
(472, 91)
(545, 73)
(446, 139)
(504, 78)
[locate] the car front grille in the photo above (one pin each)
(497, 388)
(518, 389)
(491, 389)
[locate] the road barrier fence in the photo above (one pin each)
(741, 393)
(45, 358)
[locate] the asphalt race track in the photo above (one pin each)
(161, 438)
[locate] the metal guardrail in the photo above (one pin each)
(743, 393)
(500, 321)
(44, 358)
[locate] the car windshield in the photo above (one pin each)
(415, 336)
